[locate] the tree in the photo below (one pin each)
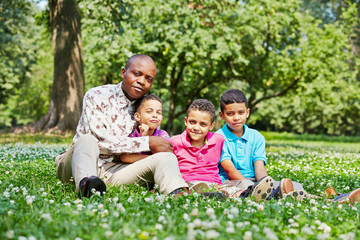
(68, 86)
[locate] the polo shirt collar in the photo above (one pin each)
(231, 136)
(187, 144)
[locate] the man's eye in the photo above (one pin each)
(136, 74)
(149, 79)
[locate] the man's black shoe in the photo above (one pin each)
(88, 183)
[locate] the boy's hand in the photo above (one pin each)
(159, 144)
(144, 129)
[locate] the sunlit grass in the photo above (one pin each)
(34, 204)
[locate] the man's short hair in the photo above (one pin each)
(232, 96)
(133, 57)
(145, 98)
(202, 105)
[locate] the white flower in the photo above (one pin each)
(46, 216)
(31, 238)
(234, 211)
(197, 223)
(306, 230)
(339, 207)
(212, 234)
(293, 231)
(116, 214)
(22, 238)
(120, 207)
(247, 235)
(67, 204)
(51, 201)
(291, 220)
(10, 234)
(195, 212)
(325, 228)
(10, 213)
(130, 199)
(260, 207)
(158, 226)
(230, 230)
(186, 217)
(312, 201)
(210, 212)
(108, 233)
(270, 234)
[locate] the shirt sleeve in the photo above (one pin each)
(110, 135)
(225, 155)
(259, 150)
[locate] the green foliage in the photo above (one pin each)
(26, 63)
(34, 204)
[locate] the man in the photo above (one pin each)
(102, 137)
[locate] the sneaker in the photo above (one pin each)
(298, 195)
(200, 187)
(285, 186)
(90, 185)
(262, 189)
(350, 197)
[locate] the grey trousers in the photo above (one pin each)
(81, 160)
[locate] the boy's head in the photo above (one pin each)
(148, 110)
(234, 110)
(199, 119)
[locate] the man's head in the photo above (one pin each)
(234, 110)
(148, 110)
(138, 76)
(199, 119)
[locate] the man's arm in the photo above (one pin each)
(132, 157)
(260, 170)
(159, 144)
(231, 171)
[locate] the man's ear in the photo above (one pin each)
(248, 112)
(221, 115)
(137, 116)
(212, 126)
(123, 72)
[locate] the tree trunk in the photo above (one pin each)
(68, 86)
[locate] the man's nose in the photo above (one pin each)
(141, 80)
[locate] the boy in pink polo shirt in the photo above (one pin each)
(198, 152)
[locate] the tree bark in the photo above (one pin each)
(68, 86)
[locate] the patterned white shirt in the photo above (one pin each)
(107, 114)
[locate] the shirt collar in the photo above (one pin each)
(187, 144)
(119, 93)
(231, 136)
(137, 133)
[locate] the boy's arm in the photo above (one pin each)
(260, 170)
(132, 157)
(231, 171)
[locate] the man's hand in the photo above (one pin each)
(144, 129)
(159, 144)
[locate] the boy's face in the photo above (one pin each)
(198, 124)
(149, 113)
(235, 115)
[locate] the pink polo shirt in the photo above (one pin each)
(199, 164)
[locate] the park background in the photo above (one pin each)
(296, 60)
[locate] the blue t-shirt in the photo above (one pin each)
(242, 151)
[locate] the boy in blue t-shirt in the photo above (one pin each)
(243, 157)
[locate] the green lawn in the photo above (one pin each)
(34, 204)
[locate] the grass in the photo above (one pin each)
(34, 204)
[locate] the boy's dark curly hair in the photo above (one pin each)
(203, 105)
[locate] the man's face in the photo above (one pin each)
(150, 113)
(235, 115)
(138, 78)
(198, 124)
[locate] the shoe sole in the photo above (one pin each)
(263, 188)
(298, 195)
